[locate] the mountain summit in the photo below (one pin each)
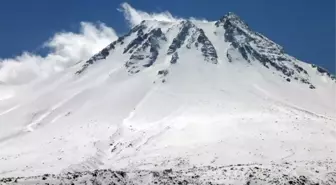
(179, 101)
(237, 39)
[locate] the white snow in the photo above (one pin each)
(220, 114)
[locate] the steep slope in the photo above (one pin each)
(172, 95)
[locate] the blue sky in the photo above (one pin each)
(305, 28)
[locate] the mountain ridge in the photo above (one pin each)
(232, 24)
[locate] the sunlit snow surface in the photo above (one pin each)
(200, 115)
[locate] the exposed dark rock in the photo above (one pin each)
(163, 72)
(174, 58)
(181, 37)
(281, 58)
(228, 56)
(245, 49)
(135, 43)
(137, 57)
(240, 174)
(208, 50)
(243, 52)
(142, 57)
(233, 18)
(99, 56)
(106, 51)
(140, 37)
(300, 69)
(141, 26)
(323, 71)
(166, 171)
(254, 46)
(305, 81)
(197, 37)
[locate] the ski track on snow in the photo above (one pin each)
(290, 106)
(9, 110)
(31, 127)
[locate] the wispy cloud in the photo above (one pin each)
(134, 17)
(66, 49)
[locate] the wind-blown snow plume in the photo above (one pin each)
(134, 17)
(67, 48)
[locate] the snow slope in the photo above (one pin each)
(171, 95)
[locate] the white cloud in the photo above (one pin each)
(134, 17)
(66, 48)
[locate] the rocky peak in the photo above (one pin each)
(145, 41)
(106, 51)
(254, 47)
(190, 35)
(233, 19)
(323, 71)
(181, 37)
(144, 49)
(99, 56)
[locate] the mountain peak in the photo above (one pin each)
(150, 40)
(231, 15)
(232, 18)
(188, 90)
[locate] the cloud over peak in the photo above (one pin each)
(68, 48)
(134, 17)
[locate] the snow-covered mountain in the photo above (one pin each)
(176, 95)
